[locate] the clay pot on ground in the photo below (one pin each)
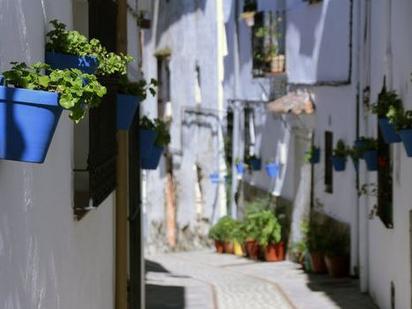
(275, 252)
(252, 249)
(318, 262)
(338, 266)
(228, 247)
(219, 246)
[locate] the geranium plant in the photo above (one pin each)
(78, 91)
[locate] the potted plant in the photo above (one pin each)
(254, 162)
(273, 61)
(251, 235)
(367, 149)
(272, 169)
(69, 49)
(337, 252)
(128, 97)
(249, 11)
(402, 120)
(240, 167)
(270, 235)
(387, 101)
(339, 156)
(150, 160)
(317, 233)
(31, 102)
(312, 156)
(216, 233)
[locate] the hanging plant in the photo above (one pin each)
(339, 156)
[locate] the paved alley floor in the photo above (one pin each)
(197, 280)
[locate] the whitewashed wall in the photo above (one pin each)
(47, 259)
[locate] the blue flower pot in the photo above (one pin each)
(28, 119)
(86, 64)
(152, 162)
(406, 136)
(126, 107)
(256, 164)
(388, 131)
(214, 178)
(272, 170)
(339, 163)
(371, 159)
(240, 168)
(315, 159)
(359, 143)
(147, 140)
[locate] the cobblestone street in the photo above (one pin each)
(208, 280)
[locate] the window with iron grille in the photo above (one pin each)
(268, 43)
(328, 162)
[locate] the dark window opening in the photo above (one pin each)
(163, 78)
(328, 162)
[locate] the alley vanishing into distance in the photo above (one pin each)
(204, 279)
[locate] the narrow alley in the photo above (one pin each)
(202, 279)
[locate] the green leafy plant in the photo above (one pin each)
(262, 226)
(364, 144)
(256, 205)
(139, 88)
(400, 118)
(310, 154)
(317, 236)
(386, 100)
(223, 229)
(78, 91)
(239, 232)
(340, 150)
(163, 135)
(146, 123)
(74, 43)
(250, 6)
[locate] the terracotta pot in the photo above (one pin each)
(318, 262)
(252, 249)
(275, 252)
(219, 246)
(228, 246)
(338, 266)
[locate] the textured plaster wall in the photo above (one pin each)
(48, 260)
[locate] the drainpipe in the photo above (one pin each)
(236, 109)
(121, 260)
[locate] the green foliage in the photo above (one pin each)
(139, 88)
(256, 205)
(78, 91)
(400, 118)
(161, 127)
(263, 226)
(386, 100)
(250, 6)
(317, 236)
(340, 150)
(239, 231)
(366, 144)
(74, 43)
(223, 230)
(310, 153)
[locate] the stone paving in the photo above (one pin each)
(198, 280)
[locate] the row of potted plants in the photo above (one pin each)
(324, 248)
(255, 164)
(32, 97)
(258, 235)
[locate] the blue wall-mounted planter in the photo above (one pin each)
(152, 162)
(126, 107)
(240, 168)
(272, 170)
(315, 159)
(147, 139)
(28, 119)
(255, 164)
(339, 163)
(388, 131)
(371, 159)
(406, 136)
(86, 64)
(214, 178)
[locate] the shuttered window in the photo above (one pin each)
(328, 162)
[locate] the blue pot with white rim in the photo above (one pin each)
(214, 178)
(240, 168)
(86, 64)
(152, 162)
(371, 160)
(406, 137)
(28, 120)
(147, 140)
(388, 131)
(126, 107)
(339, 163)
(272, 170)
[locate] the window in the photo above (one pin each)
(268, 43)
(163, 93)
(328, 162)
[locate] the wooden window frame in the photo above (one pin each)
(328, 179)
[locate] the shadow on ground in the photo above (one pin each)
(344, 292)
(160, 296)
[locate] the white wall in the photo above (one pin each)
(47, 259)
